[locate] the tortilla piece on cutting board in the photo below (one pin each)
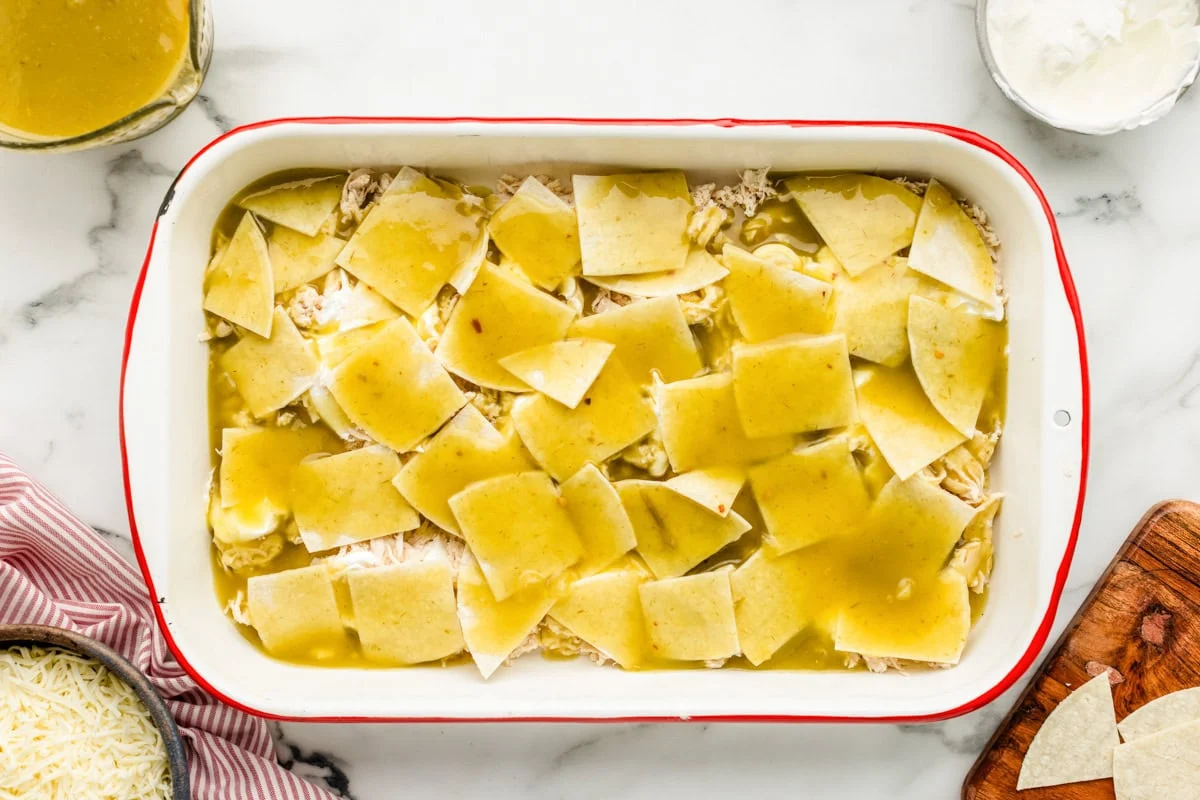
(1142, 620)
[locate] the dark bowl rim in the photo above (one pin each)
(51, 636)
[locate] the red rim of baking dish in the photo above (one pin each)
(970, 137)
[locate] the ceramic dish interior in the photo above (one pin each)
(48, 636)
(1041, 467)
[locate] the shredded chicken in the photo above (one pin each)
(244, 555)
(974, 554)
(706, 222)
(963, 471)
(917, 187)
(305, 307)
(508, 185)
(431, 542)
(980, 218)
(714, 663)
(553, 637)
(363, 187)
(572, 294)
(748, 193)
(292, 532)
(432, 324)
(649, 454)
(238, 609)
(217, 329)
(607, 301)
(703, 306)
(492, 403)
(531, 644)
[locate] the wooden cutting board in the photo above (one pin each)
(1142, 619)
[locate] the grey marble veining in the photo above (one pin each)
(74, 229)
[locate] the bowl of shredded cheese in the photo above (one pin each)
(78, 720)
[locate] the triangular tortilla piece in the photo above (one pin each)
(239, 286)
(699, 270)
(649, 335)
(358, 307)
(605, 610)
(417, 237)
(700, 426)
(901, 603)
(563, 371)
(793, 384)
(635, 223)
(714, 488)
(467, 449)
(769, 301)
(1177, 708)
(257, 463)
(406, 613)
(297, 259)
(862, 218)
(599, 518)
(1162, 766)
(872, 310)
(767, 602)
(301, 205)
(812, 494)
(295, 612)
(537, 229)
(394, 389)
(904, 425)
(690, 618)
(1076, 741)
(613, 415)
(499, 316)
(346, 498)
(334, 348)
(931, 625)
(518, 529)
(955, 355)
(270, 373)
(674, 533)
(948, 247)
(494, 628)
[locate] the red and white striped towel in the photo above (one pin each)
(55, 570)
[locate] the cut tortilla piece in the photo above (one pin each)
(605, 610)
(699, 270)
(394, 389)
(518, 529)
(955, 355)
(1076, 741)
(417, 237)
(562, 371)
(767, 603)
(494, 628)
(634, 223)
(902, 422)
(1161, 766)
(346, 498)
(872, 310)
(499, 316)
(334, 348)
(257, 463)
(931, 625)
(1177, 708)
(673, 532)
(690, 618)
(295, 611)
(701, 428)
(406, 613)
(613, 415)
(650, 335)
(467, 449)
(270, 373)
(600, 520)
(714, 488)
(948, 247)
(320, 401)
(359, 307)
(793, 384)
(769, 301)
(862, 218)
(811, 494)
(537, 229)
(302, 205)
(297, 259)
(239, 286)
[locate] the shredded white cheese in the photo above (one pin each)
(69, 728)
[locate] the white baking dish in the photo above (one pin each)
(1041, 462)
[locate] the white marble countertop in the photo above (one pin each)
(74, 229)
